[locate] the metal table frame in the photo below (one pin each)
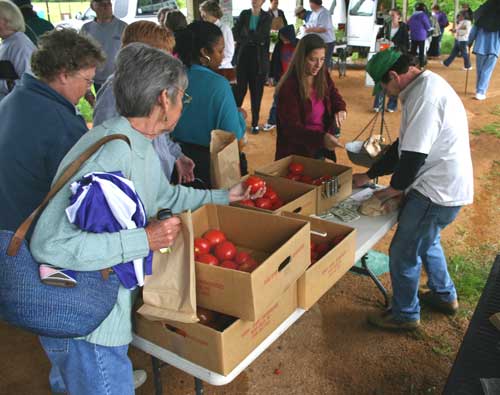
(369, 231)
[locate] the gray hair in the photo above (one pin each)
(11, 13)
(141, 74)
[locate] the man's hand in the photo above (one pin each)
(239, 192)
(340, 117)
(163, 233)
(331, 142)
(360, 179)
(185, 167)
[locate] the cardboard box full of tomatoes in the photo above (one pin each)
(332, 254)
(221, 343)
(281, 195)
(276, 250)
(332, 182)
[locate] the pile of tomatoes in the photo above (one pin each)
(319, 250)
(214, 249)
(296, 173)
(270, 200)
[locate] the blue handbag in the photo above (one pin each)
(50, 310)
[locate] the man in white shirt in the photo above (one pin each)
(320, 23)
(431, 166)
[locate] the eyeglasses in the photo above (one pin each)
(89, 81)
(186, 99)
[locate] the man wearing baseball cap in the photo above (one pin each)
(35, 26)
(431, 166)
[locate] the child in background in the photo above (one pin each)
(461, 38)
(280, 59)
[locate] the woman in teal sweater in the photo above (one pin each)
(201, 48)
(98, 364)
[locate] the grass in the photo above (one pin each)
(492, 128)
(447, 43)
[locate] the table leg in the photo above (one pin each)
(157, 375)
(365, 270)
(198, 386)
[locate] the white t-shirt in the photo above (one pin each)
(322, 18)
(228, 45)
(434, 122)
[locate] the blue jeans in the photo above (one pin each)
(416, 242)
(485, 64)
(328, 55)
(82, 368)
(272, 113)
(392, 104)
(460, 47)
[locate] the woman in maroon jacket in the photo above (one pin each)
(310, 109)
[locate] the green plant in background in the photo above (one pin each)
(447, 43)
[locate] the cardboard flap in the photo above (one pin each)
(170, 292)
(224, 159)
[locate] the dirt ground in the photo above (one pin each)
(331, 349)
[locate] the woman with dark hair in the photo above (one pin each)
(174, 20)
(310, 109)
(252, 36)
(201, 48)
(419, 24)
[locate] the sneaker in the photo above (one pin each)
(390, 109)
(140, 377)
(480, 96)
(468, 68)
(268, 126)
(443, 64)
(376, 109)
(432, 300)
(386, 320)
(255, 130)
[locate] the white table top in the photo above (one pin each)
(369, 231)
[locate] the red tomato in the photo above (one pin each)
(296, 168)
(201, 246)
(229, 265)
(323, 248)
(247, 202)
(277, 204)
(241, 257)
(255, 183)
(317, 181)
(214, 237)
(294, 177)
(249, 266)
(225, 251)
(326, 177)
(271, 195)
(209, 259)
(306, 179)
(263, 203)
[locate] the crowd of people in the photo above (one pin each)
(168, 118)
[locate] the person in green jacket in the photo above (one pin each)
(98, 363)
(35, 26)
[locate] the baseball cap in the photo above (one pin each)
(380, 64)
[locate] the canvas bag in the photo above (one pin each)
(170, 293)
(224, 160)
(44, 309)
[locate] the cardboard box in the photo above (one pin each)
(315, 168)
(218, 351)
(281, 244)
(297, 197)
(323, 274)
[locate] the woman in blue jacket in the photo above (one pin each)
(201, 48)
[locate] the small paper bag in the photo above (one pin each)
(224, 160)
(373, 145)
(170, 292)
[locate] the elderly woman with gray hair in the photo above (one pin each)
(16, 47)
(98, 364)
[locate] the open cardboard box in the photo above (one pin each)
(323, 274)
(315, 168)
(282, 245)
(297, 197)
(218, 351)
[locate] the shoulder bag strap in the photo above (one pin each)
(69, 172)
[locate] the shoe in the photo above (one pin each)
(140, 377)
(268, 126)
(480, 96)
(432, 300)
(468, 68)
(386, 320)
(390, 109)
(443, 64)
(376, 109)
(255, 130)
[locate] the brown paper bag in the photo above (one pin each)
(224, 160)
(373, 145)
(170, 292)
